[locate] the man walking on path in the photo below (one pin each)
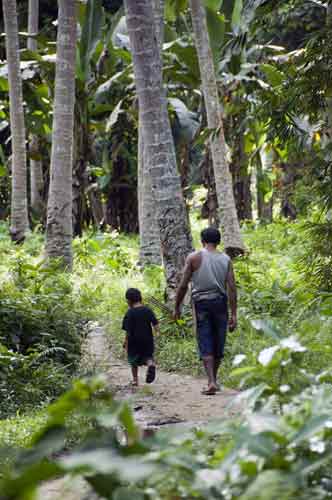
(213, 285)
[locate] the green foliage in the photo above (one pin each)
(266, 451)
(91, 30)
(41, 327)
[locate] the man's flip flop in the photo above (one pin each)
(209, 392)
(150, 374)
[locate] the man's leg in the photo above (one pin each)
(209, 365)
(205, 343)
(219, 327)
(217, 363)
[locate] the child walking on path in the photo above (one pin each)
(139, 323)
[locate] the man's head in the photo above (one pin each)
(210, 236)
(133, 296)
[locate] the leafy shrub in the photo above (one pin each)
(41, 325)
(264, 451)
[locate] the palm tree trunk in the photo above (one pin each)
(329, 99)
(229, 221)
(150, 251)
(158, 141)
(59, 229)
(36, 170)
(19, 205)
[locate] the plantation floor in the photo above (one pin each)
(173, 399)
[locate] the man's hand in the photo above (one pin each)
(125, 344)
(232, 324)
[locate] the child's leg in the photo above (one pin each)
(151, 371)
(134, 371)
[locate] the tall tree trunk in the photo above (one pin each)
(158, 141)
(19, 204)
(81, 148)
(329, 99)
(36, 169)
(241, 179)
(150, 251)
(210, 207)
(59, 229)
(228, 216)
(264, 208)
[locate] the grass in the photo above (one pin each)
(271, 288)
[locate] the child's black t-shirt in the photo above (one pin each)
(137, 323)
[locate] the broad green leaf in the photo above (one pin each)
(187, 58)
(91, 33)
(274, 76)
(107, 461)
(226, 8)
(187, 120)
(174, 8)
(314, 425)
(216, 29)
(128, 421)
(242, 371)
(23, 484)
(236, 16)
(102, 92)
(128, 494)
(213, 4)
(271, 484)
(114, 116)
(266, 327)
(4, 86)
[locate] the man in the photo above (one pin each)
(213, 284)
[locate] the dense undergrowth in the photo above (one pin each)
(43, 311)
(281, 354)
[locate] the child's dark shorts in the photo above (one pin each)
(212, 322)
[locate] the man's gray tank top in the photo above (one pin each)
(209, 281)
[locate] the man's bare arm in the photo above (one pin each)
(183, 287)
(156, 329)
(232, 295)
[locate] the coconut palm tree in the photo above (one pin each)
(148, 223)
(19, 205)
(228, 216)
(59, 228)
(158, 141)
(36, 171)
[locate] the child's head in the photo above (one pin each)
(133, 296)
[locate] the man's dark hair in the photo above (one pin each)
(133, 295)
(211, 235)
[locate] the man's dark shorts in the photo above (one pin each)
(212, 321)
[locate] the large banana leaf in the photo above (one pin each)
(216, 29)
(174, 8)
(91, 34)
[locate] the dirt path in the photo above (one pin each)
(170, 399)
(173, 399)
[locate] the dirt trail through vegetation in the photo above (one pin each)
(173, 399)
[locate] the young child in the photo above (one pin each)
(138, 324)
